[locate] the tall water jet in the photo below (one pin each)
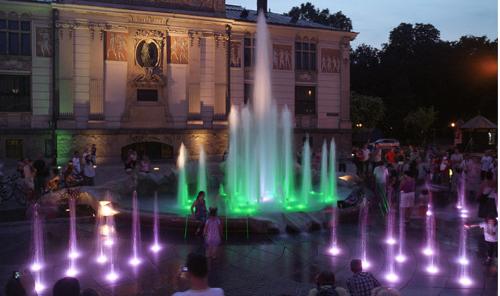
(332, 192)
(324, 187)
(38, 262)
(110, 243)
(306, 173)
(156, 246)
(390, 219)
(401, 257)
(108, 237)
(232, 160)
(463, 259)
(430, 249)
(288, 162)
(182, 186)
(136, 232)
(73, 252)
(334, 248)
(101, 233)
(202, 171)
(363, 220)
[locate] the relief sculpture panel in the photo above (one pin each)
(179, 50)
(282, 57)
(116, 46)
(330, 60)
(235, 54)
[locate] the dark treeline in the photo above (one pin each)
(418, 69)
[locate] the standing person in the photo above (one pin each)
(54, 181)
(40, 175)
(360, 283)
(144, 165)
(490, 230)
(197, 274)
(199, 210)
(381, 173)
(76, 163)
(212, 233)
(93, 154)
(488, 197)
(486, 164)
(366, 160)
(407, 195)
(325, 286)
(390, 157)
(29, 178)
(88, 171)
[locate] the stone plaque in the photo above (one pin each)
(43, 42)
(330, 60)
(179, 50)
(282, 57)
(235, 54)
(116, 46)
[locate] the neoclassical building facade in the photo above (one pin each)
(151, 74)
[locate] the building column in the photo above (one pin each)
(345, 118)
(65, 64)
(194, 104)
(96, 86)
(82, 75)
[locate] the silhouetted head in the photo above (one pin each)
(197, 265)
(489, 176)
(201, 195)
(14, 288)
(67, 286)
(212, 212)
(356, 265)
(325, 278)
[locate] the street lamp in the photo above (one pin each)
(452, 124)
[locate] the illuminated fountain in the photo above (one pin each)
(401, 240)
(182, 186)
(463, 259)
(430, 249)
(202, 171)
(363, 220)
(332, 195)
(107, 237)
(136, 233)
(38, 263)
(391, 275)
(306, 186)
(323, 183)
(156, 246)
(73, 252)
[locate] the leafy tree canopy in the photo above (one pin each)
(307, 11)
(366, 110)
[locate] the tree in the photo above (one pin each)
(366, 110)
(307, 11)
(420, 121)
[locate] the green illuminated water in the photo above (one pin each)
(202, 171)
(324, 185)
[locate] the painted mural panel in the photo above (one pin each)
(235, 54)
(330, 60)
(179, 50)
(43, 42)
(116, 46)
(282, 57)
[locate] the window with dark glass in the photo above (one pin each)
(305, 100)
(305, 56)
(15, 37)
(147, 95)
(15, 93)
(14, 148)
(249, 52)
(248, 93)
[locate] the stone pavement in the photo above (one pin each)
(262, 265)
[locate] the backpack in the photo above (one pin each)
(327, 291)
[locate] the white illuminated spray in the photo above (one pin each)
(401, 257)
(334, 248)
(136, 232)
(363, 220)
(463, 259)
(73, 252)
(156, 246)
(332, 192)
(430, 250)
(37, 264)
(391, 275)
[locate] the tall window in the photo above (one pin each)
(305, 56)
(248, 93)
(15, 37)
(305, 100)
(249, 52)
(15, 93)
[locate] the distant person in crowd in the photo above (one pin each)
(70, 176)
(472, 173)
(488, 198)
(486, 164)
(55, 181)
(76, 163)
(444, 168)
(199, 210)
(86, 152)
(131, 160)
(407, 195)
(20, 168)
(384, 291)
(144, 165)
(212, 233)
(325, 286)
(365, 161)
(93, 154)
(29, 179)
(490, 230)
(456, 159)
(67, 286)
(41, 173)
(380, 173)
(360, 283)
(390, 156)
(423, 170)
(88, 171)
(197, 274)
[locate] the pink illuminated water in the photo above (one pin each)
(363, 220)
(463, 260)
(401, 239)
(37, 264)
(136, 232)
(156, 247)
(334, 248)
(73, 252)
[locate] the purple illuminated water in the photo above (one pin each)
(156, 247)
(363, 220)
(73, 252)
(136, 232)
(38, 262)
(401, 239)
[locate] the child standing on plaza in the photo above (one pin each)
(490, 230)
(212, 233)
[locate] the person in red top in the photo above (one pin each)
(390, 156)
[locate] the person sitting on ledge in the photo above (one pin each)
(361, 283)
(197, 274)
(325, 286)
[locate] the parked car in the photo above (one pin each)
(386, 143)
